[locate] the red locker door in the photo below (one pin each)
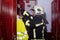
(0, 22)
(8, 19)
(56, 20)
(54, 11)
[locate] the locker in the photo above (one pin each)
(56, 20)
(8, 13)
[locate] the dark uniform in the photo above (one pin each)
(38, 25)
(41, 29)
(28, 20)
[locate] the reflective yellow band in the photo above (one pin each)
(43, 32)
(34, 33)
(24, 36)
(43, 28)
(19, 38)
(22, 33)
(19, 33)
(25, 32)
(31, 17)
(27, 23)
(39, 24)
(25, 13)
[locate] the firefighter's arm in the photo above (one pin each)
(40, 23)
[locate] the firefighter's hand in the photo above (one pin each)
(27, 23)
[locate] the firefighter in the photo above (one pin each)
(39, 23)
(28, 21)
(21, 29)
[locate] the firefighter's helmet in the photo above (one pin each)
(38, 9)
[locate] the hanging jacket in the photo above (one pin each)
(21, 30)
